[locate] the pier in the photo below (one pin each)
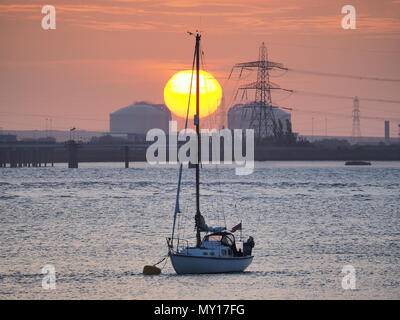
(37, 155)
(26, 156)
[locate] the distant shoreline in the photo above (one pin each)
(42, 154)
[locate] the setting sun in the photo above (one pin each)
(176, 94)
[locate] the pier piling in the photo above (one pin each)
(72, 148)
(126, 156)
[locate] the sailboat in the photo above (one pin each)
(217, 251)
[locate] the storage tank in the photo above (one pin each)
(239, 117)
(139, 118)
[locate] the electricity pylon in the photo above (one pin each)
(262, 118)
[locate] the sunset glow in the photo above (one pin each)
(176, 94)
(105, 54)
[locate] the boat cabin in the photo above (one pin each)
(224, 242)
(224, 238)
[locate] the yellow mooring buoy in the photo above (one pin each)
(149, 270)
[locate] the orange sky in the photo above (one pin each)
(106, 54)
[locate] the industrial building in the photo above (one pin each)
(137, 119)
(240, 117)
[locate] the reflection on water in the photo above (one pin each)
(100, 224)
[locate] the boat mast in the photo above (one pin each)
(197, 124)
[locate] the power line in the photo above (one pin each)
(342, 75)
(30, 124)
(48, 116)
(340, 114)
(345, 49)
(336, 96)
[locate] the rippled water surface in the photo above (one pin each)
(100, 224)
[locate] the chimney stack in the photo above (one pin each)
(387, 131)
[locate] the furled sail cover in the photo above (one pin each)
(205, 228)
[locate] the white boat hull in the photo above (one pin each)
(184, 264)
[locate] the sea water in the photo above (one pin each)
(98, 225)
